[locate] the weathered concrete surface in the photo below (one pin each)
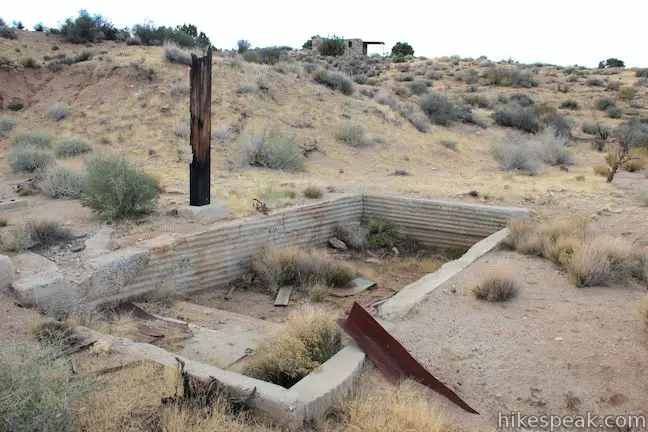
(399, 305)
(206, 215)
(37, 279)
(6, 272)
(220, 337)
(7, 206)
(99, 244)
(330, 382)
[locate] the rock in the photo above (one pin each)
(395, 250)
(6, 272)
(558, 339)
(99, 244)
(40, 278)
(337, 244)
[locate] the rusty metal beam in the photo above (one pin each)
(200, 139)
(389, 356)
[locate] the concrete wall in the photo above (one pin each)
(436, 223)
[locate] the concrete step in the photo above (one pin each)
(220, 338)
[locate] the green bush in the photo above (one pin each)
(449, 144)
(510, 77)
(117, 189)
(352, 134)
(63, 182)
(439, 108)
(417, 87)
(334, 80)
(614, 112)
(28, 159)
(15, 105)
(593, 128)
(521, 99)
(272, 150)
(68, 148)
(39, 140)
(174, 54)
(271, 55)
(37, 392)
(516, 152)
(402, 49)
(570, 104)
(243, 45)
(30, 63)
(332, 47)
(59, 111)
(518, 117)
(7, 33)
(6, 125)
(86, 28)
(605, 103)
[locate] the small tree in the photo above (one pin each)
(332, 46)
(625, 137)
(402, 49)
(243, 45)
(308, 44)
(18, 25)
(611, 63)
(39, 27)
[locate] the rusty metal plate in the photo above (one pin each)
(389, 356)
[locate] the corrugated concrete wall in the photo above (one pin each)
(216, 257)
(438, 223)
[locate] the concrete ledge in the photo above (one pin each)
(13, 205)
(399, 305)
(206, 215)
(330, 382)
(37, 279)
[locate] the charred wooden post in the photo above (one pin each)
(200, 109)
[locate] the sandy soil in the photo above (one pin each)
(554, 349)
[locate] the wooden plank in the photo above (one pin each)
(200, 136)
(283, 296)
(357, 286)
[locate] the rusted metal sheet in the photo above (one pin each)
(389, 356)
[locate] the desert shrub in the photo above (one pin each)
(434, 75)
(117, 189)
(67, 148)
(6, 125)
(601, 169)
(247, 88)
(352, 134)
(4, 221)
(415, 116)
(318, 292)
(439, 108)
(552, 147)
(7, 33)
(179, 90)
(15, 105)
(521, 99)
(174, 54)
(383, 233)
(594, 82)
(30, 63)
(627, 94)
(39, 140)
(134, 40)
(417, 87)
(141, 71)
(643, 312)
(272, 150)
(28, 159)
(523, 118)
(605, 103)
(86, 28)
(593, 128)
(516, 152)
(559, 123)
(35, 234)
(59, 111)
(38, 392)
(403, 77)
(498, 284)
(599, 261)
(313, 192)
(612, 85)
(570, 104)
(449, 144)
(510, 77)
(63, 182)
(634, 165)
(309, 337)
(334, 80)
(271, 55)
(642, 198)
(634, 132)
(614, 112)
(333, 46)
(480, 101)
(291, 266)
(641, 73)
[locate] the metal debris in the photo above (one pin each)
(389, 356)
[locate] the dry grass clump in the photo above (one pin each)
(59, 111)
(313, 192)
(174, 54)
(4, 220)
(352, 134)
(6, 125)
(68, 148)
(63, 182)
(39, 140)
(318, 291)
(377, 406)
(643, 312)
(642, 197)
(599, 261)
(299, 268)
(309, 337)
(33, 235)
(498, 284)
(273, 151)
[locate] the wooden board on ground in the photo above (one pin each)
(283, 296)
(356, 286)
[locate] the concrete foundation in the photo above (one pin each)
(206, 215)
(37, 279)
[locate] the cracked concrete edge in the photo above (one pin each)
(400, 305)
